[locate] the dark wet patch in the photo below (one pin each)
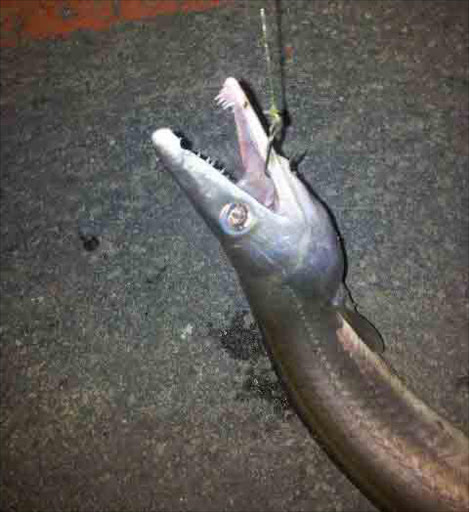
(154, 279)
(90, 242)
(241, 341)
(263, 383)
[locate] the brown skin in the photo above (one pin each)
(397, 450)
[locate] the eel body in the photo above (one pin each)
(285, 248)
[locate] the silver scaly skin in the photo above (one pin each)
(285, 249)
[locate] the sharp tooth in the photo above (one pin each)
(224, 102)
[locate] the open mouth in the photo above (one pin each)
(273, 186)
(253, 145)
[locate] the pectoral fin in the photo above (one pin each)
(364, 329)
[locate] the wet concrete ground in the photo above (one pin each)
(132, 376)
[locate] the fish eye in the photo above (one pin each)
(235, 218)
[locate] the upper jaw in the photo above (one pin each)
(207, 188)
(195, 174)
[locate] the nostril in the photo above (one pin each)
(185, 142)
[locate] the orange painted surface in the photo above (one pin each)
(38, 19)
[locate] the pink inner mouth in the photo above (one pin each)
(252, 143)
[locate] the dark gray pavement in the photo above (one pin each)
(131, 376)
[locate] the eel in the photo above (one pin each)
(287, 253)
